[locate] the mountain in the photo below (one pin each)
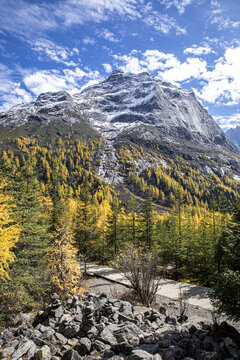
(130, 103)
(126, 111)
(234, 136)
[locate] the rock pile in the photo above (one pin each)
(95, 327)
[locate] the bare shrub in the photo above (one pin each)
(183, 305)
(140, 269)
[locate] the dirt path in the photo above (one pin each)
(195, 295)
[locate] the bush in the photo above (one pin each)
(140, 268)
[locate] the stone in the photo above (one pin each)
(54, 296)
(100, 346)
(43, 354)
(122, 348)
(107, 337)
(58, 312)
(84, 346)
(209, 344)
(60, 338)
(22, 350)
(6, 352)
(71, 355)
(6, 335)
(139, 355)
(232, 348)
(15, 343)
(32, 351)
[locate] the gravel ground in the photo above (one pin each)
(195, 314)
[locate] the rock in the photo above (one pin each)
(6, 335)
(122, 348)
(6, 352)
(22, 350)
(139, 355)
(60, 338)
(32, 351)
(84, 346)
(71, 355)
(100, 346)
(232, 348)
(43, 354)
(209, 344)
(58, 312)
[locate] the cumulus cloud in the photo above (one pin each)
(218, 83)
(198, 50)
(56, 80)
(107, 68)
(228, 121)
(11, 92)
(223, 82)
(36, 82)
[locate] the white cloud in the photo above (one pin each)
(78, 12)
(55, 52)
(56, 80)
(228, 121)
(179, 4)
(198, 50)
(11, 92)
(26, 19)
(37, 82)
(87, 40)
(218, 83)
(108, 35)
(131, 63)
(160, 22)
(217, 16)
(191, 68)
(107, 68)
(223, 82)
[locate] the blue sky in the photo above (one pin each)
(67, 44)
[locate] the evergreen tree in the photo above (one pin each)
(28, 286)
(226, 295)
(85, 224)
(147, 221)
(113, 226)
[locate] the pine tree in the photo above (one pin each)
(113, 226)
(147, 221)
(28, 286)
(85, 223)
(226, 295)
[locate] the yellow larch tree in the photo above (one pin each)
(9, 233)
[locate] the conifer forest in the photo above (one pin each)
(55, 212)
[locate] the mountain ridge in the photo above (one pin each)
(128, 110)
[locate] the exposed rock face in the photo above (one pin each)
(95, 327)
(123, 104)
(127, 102)
(234, 136)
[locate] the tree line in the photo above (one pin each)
(46, 230)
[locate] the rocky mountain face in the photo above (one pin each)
(95, 327)
(133, 109)
(234, 136)
(125, 104)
